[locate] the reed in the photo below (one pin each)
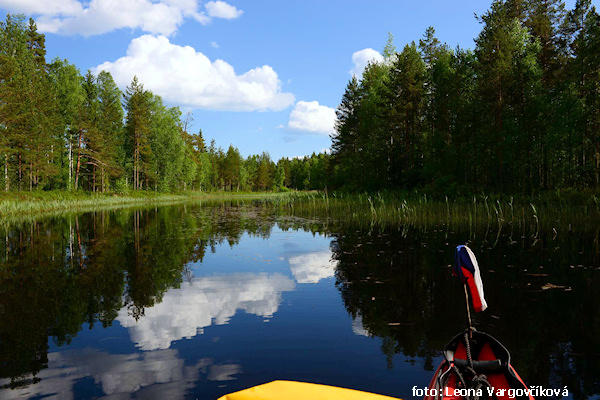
(557, 212)
(390, 209)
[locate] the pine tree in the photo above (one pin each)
(36, 42)
(430, 47)
(137, 128)
(389, 51)
(110, 126)
(43, 106)
(68, 85)
(373, 134)
(544, 22)
(344, 142)
(506, 69)
(231, 167)
(28, 107)
(88, 140)
(406, 99)
(438, 92)
(265, 171)
(590, 89)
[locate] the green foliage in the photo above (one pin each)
(232, 163)
(137, 133)
(166, 147)
(110, 123)
(390, 49)
(28, 107)
(519, 113)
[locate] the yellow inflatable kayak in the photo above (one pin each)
(288, 390)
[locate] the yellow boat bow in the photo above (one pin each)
(289, 390)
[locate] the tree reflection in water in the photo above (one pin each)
(60, 274)
(398, 283)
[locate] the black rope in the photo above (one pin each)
(463, 383)
(468, 347)
(476, 381)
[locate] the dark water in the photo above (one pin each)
(198, 301)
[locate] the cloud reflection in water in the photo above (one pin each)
(119, 375)
(184, 312)
(312, 267)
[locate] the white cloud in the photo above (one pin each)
(362, 58)
(312, 267)
(214, 44)
(102, 16)
(312, 117)
(220, 9)
(47, 7)
(184, 312)
(183, 76)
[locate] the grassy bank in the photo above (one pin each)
(524, 215)
(39, 202)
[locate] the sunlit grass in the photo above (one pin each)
(39, 202)
(13, 204)
(521, 216)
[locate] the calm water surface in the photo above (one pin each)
(197, 301)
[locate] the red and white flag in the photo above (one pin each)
(466, 268)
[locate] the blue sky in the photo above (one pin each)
(260, 74)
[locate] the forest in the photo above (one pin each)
(519, 113)
(61, 130)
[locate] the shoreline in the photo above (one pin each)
(38, 203)
(558, 211)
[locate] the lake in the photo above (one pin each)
(198, 300)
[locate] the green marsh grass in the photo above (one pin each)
(41, 202)
(527, 215)
(20, 206)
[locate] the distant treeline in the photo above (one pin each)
(519, 113)
(62, 130)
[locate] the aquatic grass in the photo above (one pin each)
(537, 222)
(530, 215)
(390, 209)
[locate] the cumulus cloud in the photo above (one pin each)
(312, 267)
(310, 116)
(362, 58)
(220, 9)
(184, 312)
(101, 16)
(47, 7)
(186, 77)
